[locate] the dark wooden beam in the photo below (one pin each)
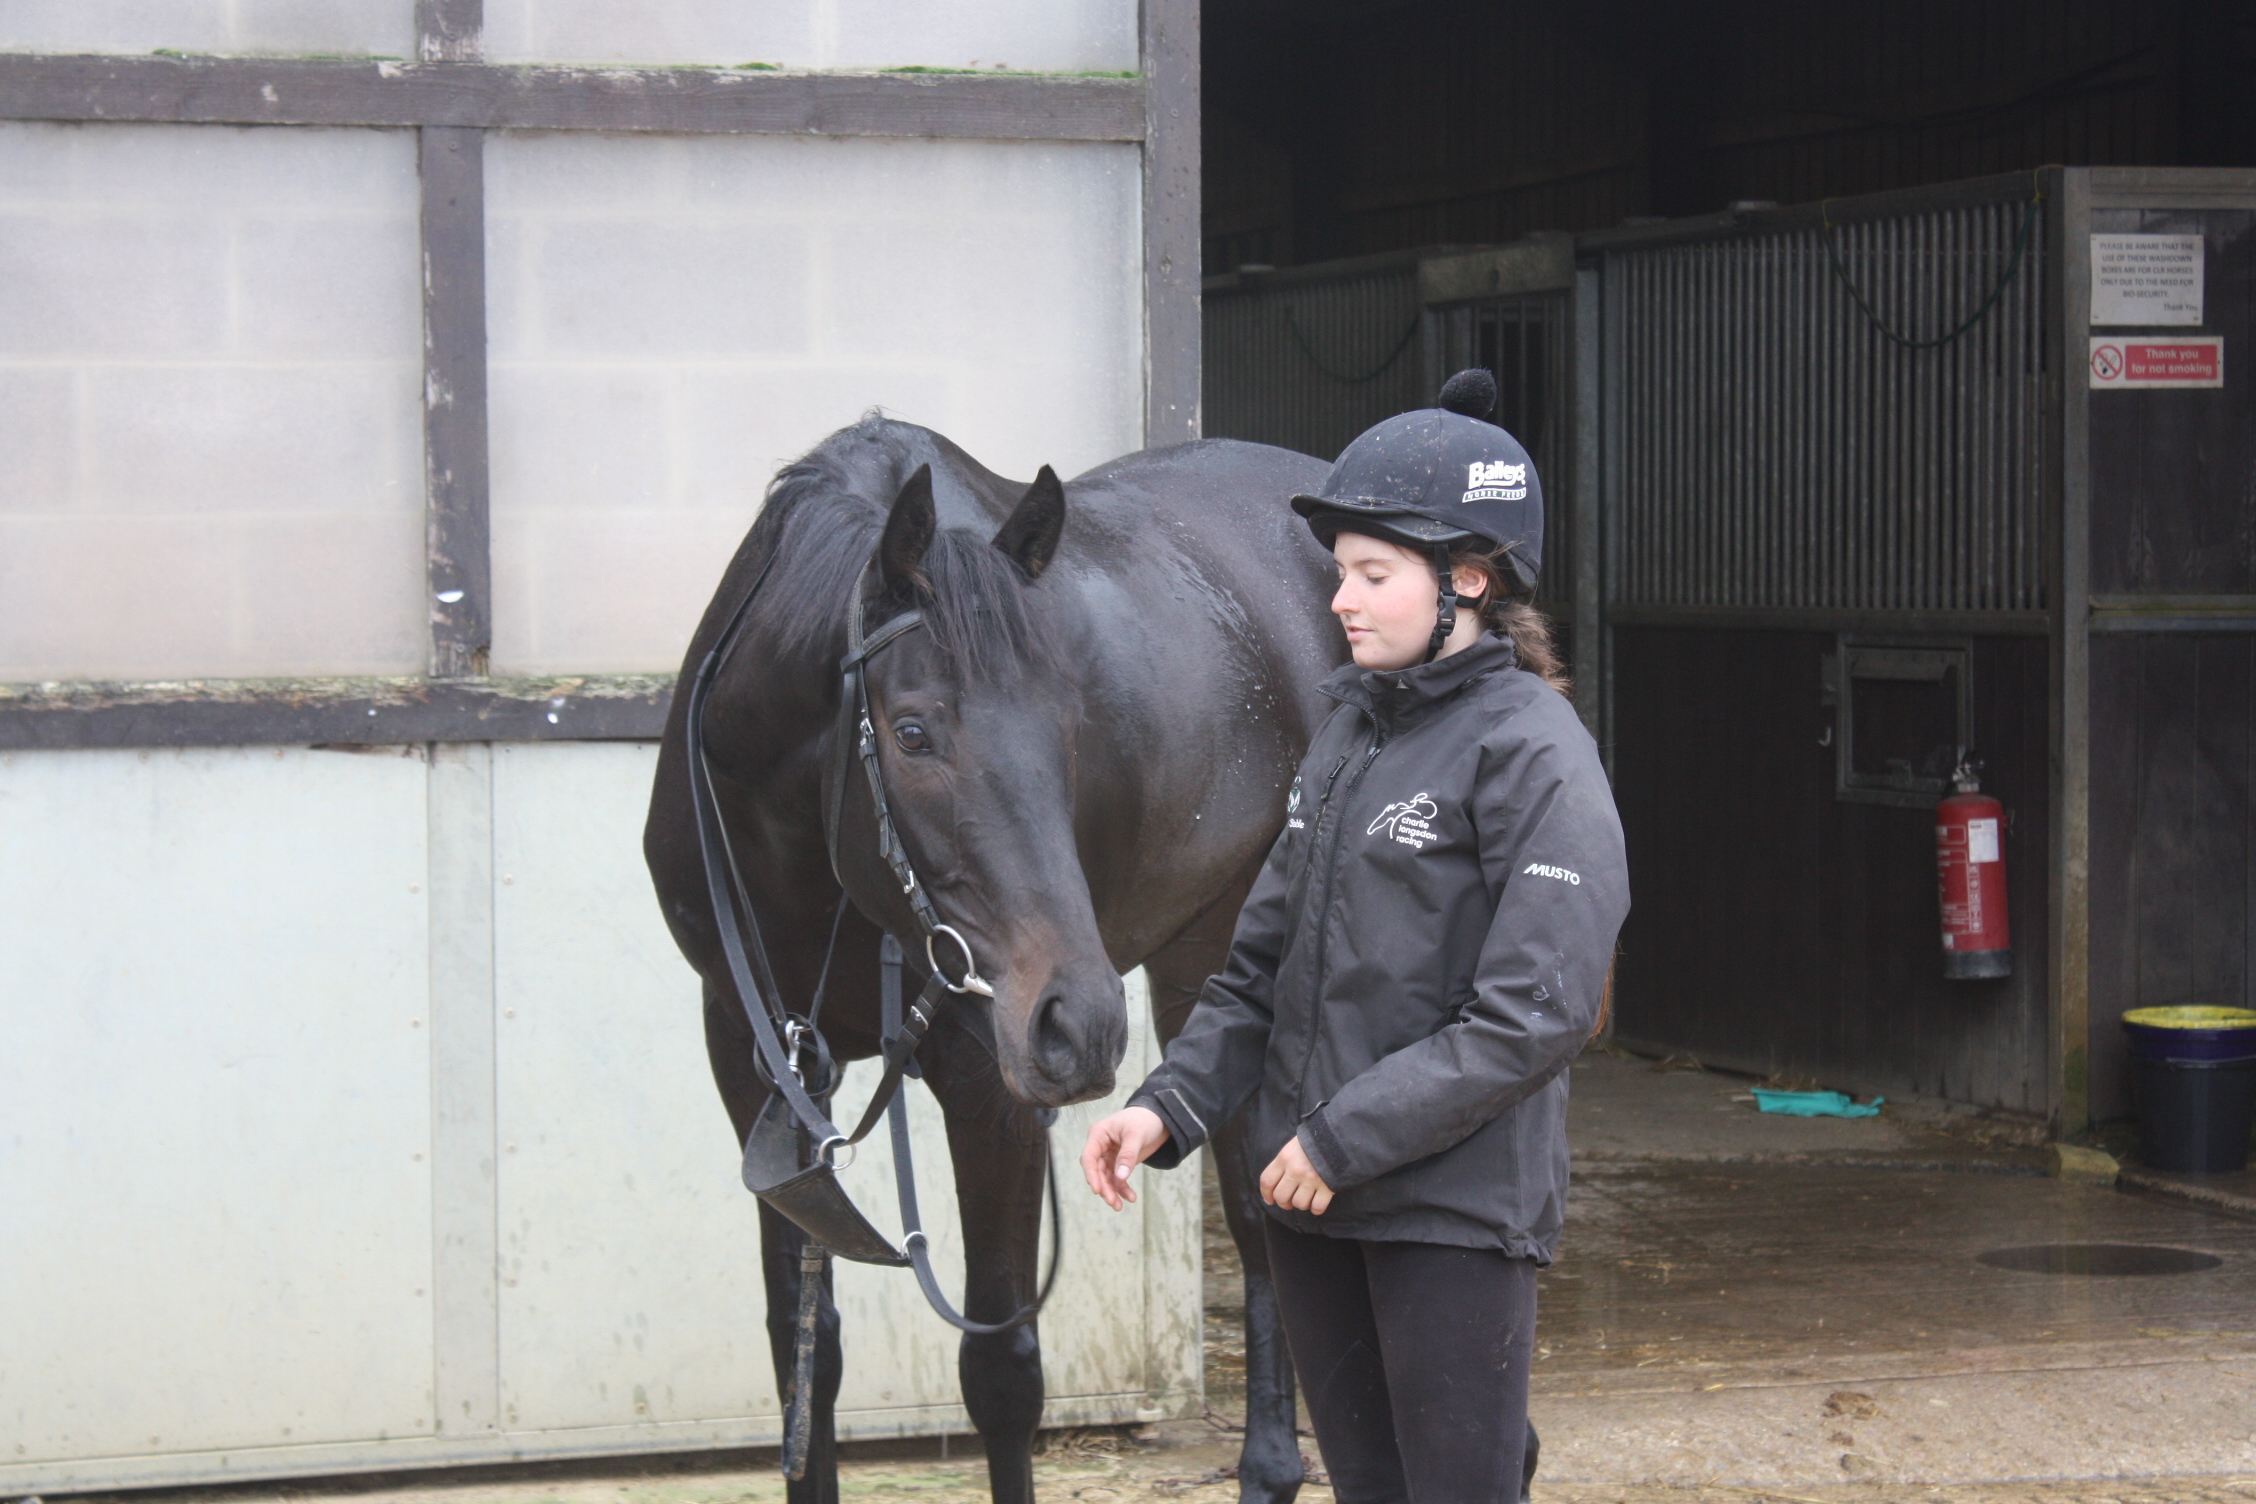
(261, 91)
(351, 712)
(1171, 221)
(1830, 619)
(457, 516)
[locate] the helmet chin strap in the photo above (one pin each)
(1445, 615)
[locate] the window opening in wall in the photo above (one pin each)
(1904, 711)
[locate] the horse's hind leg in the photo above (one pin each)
(996, 1145)
(1269, 1467)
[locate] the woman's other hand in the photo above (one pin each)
(1116, 1146)
(1292, 1182)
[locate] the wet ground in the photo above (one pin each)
(1745, 1308)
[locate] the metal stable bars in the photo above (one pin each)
(1774, 446)
(1303, 358)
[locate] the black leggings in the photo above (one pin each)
(1414, 1360)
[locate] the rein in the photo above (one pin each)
(791, 1156)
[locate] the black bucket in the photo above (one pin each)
(2194, 1081)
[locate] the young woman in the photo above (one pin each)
(1425, 951)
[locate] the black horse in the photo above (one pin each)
(1086, 752)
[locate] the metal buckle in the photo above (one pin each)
(823, 1153)
(972, 981)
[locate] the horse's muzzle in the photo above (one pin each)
(1067, 1046)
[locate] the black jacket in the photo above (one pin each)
(1423, 954)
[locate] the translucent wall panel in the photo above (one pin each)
(215, 1198)
(671, 319)
(1040, 36)
(379, 28)
(629, 1259)
(210, 407)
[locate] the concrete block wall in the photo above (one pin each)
(671, 319)
(210, 407)
(380, 28)
(1039, 36)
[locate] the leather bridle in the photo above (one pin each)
(792, 1158)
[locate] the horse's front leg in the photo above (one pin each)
(728, 1042)
(781, 1243)
(996, 1145)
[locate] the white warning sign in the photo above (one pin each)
(2146, 279)
(1982, 840)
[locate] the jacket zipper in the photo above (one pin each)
(1323, 907)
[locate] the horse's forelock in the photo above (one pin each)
(982, 612)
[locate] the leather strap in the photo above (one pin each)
(732, 912)
(913, 1240)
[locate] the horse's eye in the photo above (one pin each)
(911, 737)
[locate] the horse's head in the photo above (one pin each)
(976, 718)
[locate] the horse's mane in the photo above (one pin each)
(824, 523)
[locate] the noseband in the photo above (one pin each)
(793, 1154)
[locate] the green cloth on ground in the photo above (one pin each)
(1814, 1104)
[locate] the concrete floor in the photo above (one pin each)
(1775, 1302)
(1745, 1307)
(1762, 1302)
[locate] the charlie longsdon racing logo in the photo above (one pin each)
(1497, 482)
(1409, 822)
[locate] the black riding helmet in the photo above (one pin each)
(1433, 480)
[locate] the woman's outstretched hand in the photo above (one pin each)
(1292, 1182)
(1116, 1146)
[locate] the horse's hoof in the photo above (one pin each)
(1251, 1491)
(1268, 1479)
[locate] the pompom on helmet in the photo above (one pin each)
(1433, 480)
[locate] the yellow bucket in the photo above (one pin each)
(2187, 1017)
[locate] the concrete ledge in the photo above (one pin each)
(2234, 1192)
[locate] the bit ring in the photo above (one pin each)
(972, 981)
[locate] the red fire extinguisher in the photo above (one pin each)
(1970, 868)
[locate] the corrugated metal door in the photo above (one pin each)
(1825, 501)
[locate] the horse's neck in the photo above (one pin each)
(768, 711)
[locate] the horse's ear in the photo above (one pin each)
(908, 533)
(1030, 534)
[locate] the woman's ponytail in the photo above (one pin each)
(1516, 617)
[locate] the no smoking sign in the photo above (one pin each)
(2117, 362)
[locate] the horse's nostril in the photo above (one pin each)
(1072, 1040)
(1057, 1034)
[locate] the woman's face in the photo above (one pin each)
(1386, 601)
